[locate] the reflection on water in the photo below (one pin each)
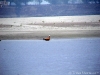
(55, 57)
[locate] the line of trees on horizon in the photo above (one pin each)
(18, 2)
(72, 1)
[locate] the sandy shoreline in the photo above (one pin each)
(54, 34)
(57, 27)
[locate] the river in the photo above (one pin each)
(80, 56)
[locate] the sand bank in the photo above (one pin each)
(55, 19)
(57, 27)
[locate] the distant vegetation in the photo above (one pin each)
(72, 1)
(18, 2)
(55, 8)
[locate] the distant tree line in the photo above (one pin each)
(87, 1)
(18, 2)
(72, 1)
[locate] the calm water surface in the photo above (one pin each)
(56, 57)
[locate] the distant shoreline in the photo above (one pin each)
(39, 35)
(57, 27)
(50, 10)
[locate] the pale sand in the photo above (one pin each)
(57, 27)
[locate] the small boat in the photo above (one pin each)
(47, 38)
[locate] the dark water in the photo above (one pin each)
(56, 57)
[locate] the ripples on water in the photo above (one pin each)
(56, 57)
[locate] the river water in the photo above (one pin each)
(55, 57)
